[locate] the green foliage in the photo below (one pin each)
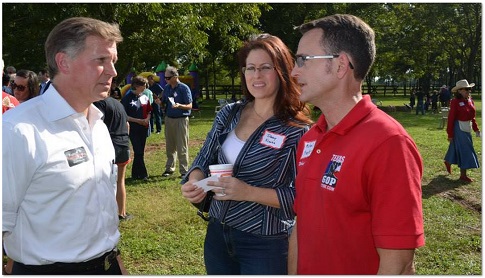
(429, 42)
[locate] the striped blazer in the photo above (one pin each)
(267, 159)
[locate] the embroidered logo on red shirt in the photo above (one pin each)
(329, 179)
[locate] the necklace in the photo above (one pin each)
(262, 118)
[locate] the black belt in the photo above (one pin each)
(105, 261)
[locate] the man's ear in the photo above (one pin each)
(343, 65)
(62, 61)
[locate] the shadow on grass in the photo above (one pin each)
(450, 189)
(439, 185)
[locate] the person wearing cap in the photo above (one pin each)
(461, 121)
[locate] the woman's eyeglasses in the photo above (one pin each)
(18, 87)
(251, 70)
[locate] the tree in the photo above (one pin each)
(429, 42)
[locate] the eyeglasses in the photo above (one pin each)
(251, 70)
(18, 87)
(300, 59)
(467, 89)
(169, 77)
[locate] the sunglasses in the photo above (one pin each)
(467, 89)
(18, 87)
(168, 77)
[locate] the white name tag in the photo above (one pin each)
(307, 151)
(273, 140)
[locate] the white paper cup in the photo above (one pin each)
(221, 170)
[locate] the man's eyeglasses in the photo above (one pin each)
(169, 77)
(467, 89)
(300, 59)
(18, 87)
(251, 70)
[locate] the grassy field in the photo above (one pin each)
(165, 237)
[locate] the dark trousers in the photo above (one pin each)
(138, 138)
(156, 117)
(96, 266)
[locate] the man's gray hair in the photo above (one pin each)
(70, 35)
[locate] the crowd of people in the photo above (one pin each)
(303, 198)
(431, 101)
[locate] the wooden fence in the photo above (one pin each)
(229, 91)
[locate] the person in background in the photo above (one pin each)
(115, 91)
(445, 96)
(25, 85)
(6, 84)
(434, 101)
(349, 198)
(8, 101)
(461, 121)
(45, 81)
(11, 71)
(249, 225)
(138, 108)
(157, 91)
(116, 120)
(177, 100)
(59, 211)
(420, 97)
(412, 99)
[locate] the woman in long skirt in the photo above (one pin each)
(461, 121)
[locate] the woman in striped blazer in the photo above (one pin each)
(251, 220)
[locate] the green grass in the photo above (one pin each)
(166, 236)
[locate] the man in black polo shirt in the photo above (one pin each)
(157, 91)
(116, 120)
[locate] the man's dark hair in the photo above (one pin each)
(349, 34)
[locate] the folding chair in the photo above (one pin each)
(444, 116)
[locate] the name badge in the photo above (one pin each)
(308, 149)
(273, 140)
(461, 103)
(76, 156)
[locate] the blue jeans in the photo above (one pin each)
(228, 251)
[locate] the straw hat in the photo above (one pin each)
(462, 84)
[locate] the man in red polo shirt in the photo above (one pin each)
(358, 189)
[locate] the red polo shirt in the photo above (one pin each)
(358, 188)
